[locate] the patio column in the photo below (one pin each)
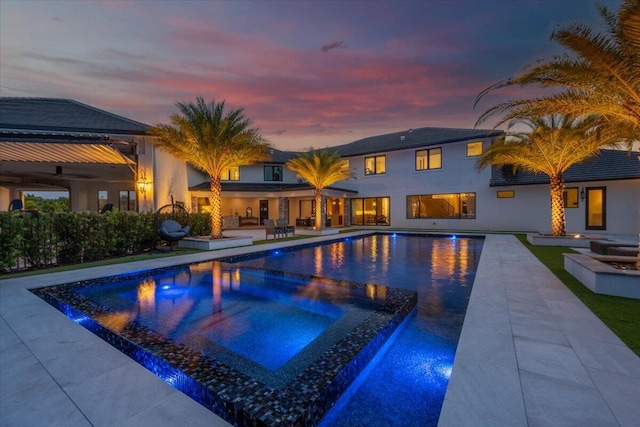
(283, 208)
(347, 212)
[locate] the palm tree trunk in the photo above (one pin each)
(558, 221)
(318, 207)
(216, 207)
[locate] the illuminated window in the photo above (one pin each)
(455, 206)
(127, 200)
(506, 194)
(273, 173)
(429, 159)
(230, 174)
(570, 196)
(370, 211)
(375, 165)
(474, 149)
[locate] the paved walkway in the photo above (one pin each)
(530, 354)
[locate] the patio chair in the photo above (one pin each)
(172, 223)
(15, 205)
(107, 208)
(270, 227)
(288, 229)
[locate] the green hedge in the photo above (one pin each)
(50, 238)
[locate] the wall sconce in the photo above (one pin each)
(582, 195)
(142, 184)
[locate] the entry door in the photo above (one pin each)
(596, 208)
(264, 211)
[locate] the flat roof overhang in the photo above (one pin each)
(248, 190)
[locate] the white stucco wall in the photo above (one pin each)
(168, 177)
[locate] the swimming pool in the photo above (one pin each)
(332, 320)
(405, 385)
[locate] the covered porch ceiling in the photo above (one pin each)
(51, 160)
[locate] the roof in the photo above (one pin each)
(62, 115)
(608, 166)
(411, 138)
(269, 187)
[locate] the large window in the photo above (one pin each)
(454, 205)
(429, 159)
(375, 165)
(570, 197)
(273, 173)
(127, 200)
(474, 149)
(230, 174)
(370, 211)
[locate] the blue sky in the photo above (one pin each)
(307, 73)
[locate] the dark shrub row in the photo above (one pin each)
(47, 238)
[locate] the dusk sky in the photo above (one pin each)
(307, 73)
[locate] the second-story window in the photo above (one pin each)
(230, 174)
(375, 165)
(273, 173)
(429, 159)
(474, 149)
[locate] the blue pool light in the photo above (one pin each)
(453, 237)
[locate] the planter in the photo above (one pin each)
(573, 240)
(602, 278)
(317, 232)
(209, 244)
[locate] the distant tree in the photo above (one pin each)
(212, 140)
(552, 146)
(320, 169)
(32, 202)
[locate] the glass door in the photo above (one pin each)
(264, 211)
(596, 213)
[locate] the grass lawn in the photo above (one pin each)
(621, 315)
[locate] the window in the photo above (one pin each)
(103, 199)
(370, 211)
(570, 196)
(429, 159)
(230, 174)
(506, 194)
(455, 205)
(127, 200)
(375, 165)
(474, 149)
(273, 173)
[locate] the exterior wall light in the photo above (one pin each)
(142, 183)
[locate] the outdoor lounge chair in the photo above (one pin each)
(270, 227)
(172, 231)
(15, 205)
(288, 229)
(172, 223)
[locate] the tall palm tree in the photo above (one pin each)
(553, 144)
(320, 169)
(599, 76)
(212, 140)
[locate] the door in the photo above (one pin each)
(264, 211)
(596, 211)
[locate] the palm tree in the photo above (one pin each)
(600, 76)
(553, 145)
(320, 169)
(212, 140)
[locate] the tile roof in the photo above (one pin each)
(62, 115)
(609, 165)
(411, 138)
